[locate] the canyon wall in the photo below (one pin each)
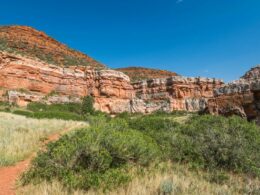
(241, 97)
(173, 93)
(23, 80)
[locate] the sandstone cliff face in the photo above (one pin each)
(24, 80)
(241, 97)
(173, 93)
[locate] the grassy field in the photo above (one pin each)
(182, 180)
(20, 136)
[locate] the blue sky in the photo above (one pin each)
(213, 38)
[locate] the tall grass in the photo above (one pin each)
(184, 182)
(20, 136)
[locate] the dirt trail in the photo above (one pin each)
(9, 175)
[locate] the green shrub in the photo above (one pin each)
(93, 157)
(57, 115)
(166, 187)
(161, 129)
(23, 112)
(68, 111)
(37, 106)
(87, 105)
(219, 143)
(66, 107)
(4, 103)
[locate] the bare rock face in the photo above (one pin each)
(173, 93)
(24, 80)
(241, 97)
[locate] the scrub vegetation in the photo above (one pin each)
(160, 153)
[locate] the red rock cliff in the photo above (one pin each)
(25, 80)
(173, 93)
(241, 97)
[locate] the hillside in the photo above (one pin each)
(140, 73)
(33, 43)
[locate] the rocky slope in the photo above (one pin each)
(140, 73)
(33, 43)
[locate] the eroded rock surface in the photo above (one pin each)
(24, 80)
(241, 97)
(174, 93)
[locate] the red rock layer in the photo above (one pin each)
(174, 93)
(240, 98)
(30, 80)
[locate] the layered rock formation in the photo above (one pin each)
(173, 93)
(36, 67)
(241, 97)
(23, 80)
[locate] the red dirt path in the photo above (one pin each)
(9, 175)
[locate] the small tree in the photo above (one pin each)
(87, 105)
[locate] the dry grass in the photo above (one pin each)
(185, 182)
(21, 136)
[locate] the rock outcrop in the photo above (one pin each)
(173, 93)
(241, 97)
(23, 80)
(36, 68)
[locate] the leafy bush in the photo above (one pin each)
(166, 187)
(4, 103)
(57, 115)
(93, 157)
(161, 129)
(67, 107)
(87, 105)
(219, 143)
(23, 112)
(68, 111)
(36, 106)
(100, 156)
